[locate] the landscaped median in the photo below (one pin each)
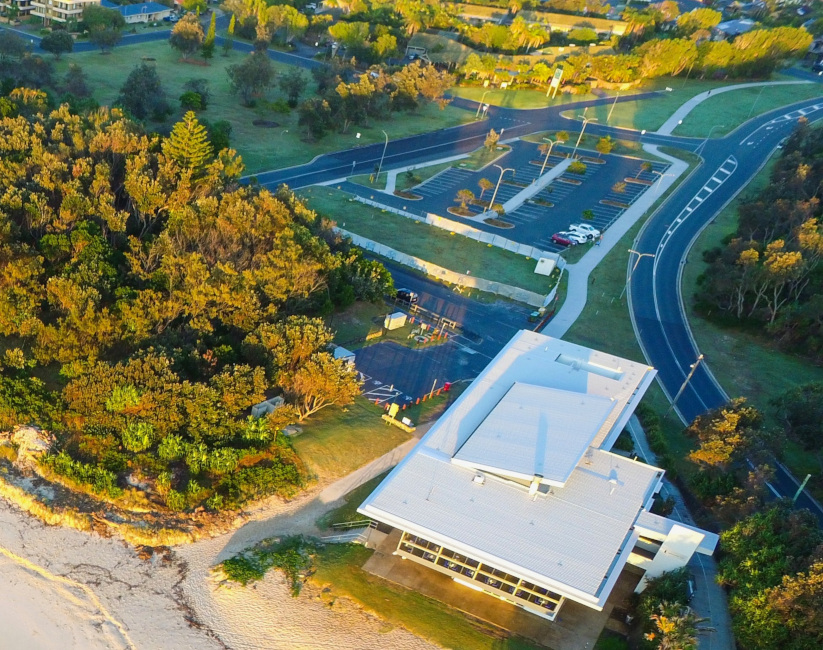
(434, 245)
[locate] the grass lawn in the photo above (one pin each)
(650, 114)
(262, 148)
(733, 108)
(744, 364)
(335, 442)
(524, 99)
(432, 244)
(348, 511)
(338, 567)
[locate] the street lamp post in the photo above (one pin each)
(548, 153)
(385, 146)
(631, 272)
(685, 383)
(701, 147)
(586, 120)
(754, 103)
(609, 116)
(480, 105)
(497, 187)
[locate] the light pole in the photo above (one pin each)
(497, 187)
(385, 146)
(756, 99)
(631, 272)
(586, 120)
(685, 383)
(660, 181)
(716, 126)
(549, 153)
(609, 116)
(480, 105)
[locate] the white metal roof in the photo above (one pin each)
(569, 540)
(576, 538)
(535, 431)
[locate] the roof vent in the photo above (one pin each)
(480, 479)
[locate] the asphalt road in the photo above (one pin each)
(456, 140)
(656, 304)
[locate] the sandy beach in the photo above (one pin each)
(64, 589)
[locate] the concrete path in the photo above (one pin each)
(680, 114)
(577, 292)
(536, 187)
(709, 598)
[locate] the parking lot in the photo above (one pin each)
(608, 186)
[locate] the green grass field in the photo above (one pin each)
(335, 441)
(348, 511)
(744, 364)
(338, 566)
(730, 109)
(435, 245)
(262, 148)
(737, 106)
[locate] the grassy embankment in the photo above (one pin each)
(262, 147)
(432, 244)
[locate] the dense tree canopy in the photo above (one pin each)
(768, 274)
(771, 564)
(134, 268)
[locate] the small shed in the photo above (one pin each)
(395, 321)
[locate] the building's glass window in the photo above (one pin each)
(490, 577)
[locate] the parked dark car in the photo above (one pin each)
(407, 295)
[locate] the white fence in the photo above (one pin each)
(460, 279)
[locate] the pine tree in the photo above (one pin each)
(228, 42)
(189, 144)
(207, 49)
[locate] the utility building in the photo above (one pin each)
(514, 490)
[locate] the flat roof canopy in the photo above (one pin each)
(535, 431)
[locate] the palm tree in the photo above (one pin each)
(485, 184)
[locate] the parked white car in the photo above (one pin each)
(575, 237)
(589, 232)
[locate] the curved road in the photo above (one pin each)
(655, 303)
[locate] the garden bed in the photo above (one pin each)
(498, 223)
(595, 161)
(614, 204)
(569, 181)
(407, 195)
(460, 212)
(638, 181)
(543, 202)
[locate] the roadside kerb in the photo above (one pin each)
(460, 279)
